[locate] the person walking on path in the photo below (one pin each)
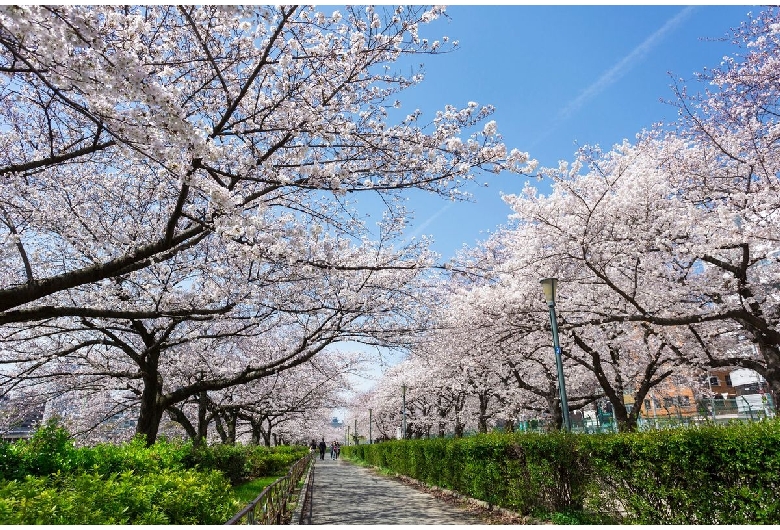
(322, 448)
(333, 450)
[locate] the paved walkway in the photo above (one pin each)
(345, 493)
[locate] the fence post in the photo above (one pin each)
(750, 409)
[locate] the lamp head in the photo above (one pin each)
(549, 286)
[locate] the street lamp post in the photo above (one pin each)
(549, 286)
(370, 421)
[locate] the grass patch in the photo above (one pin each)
(248, 491)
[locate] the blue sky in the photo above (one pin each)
(559, 76)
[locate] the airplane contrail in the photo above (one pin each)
(606, 79)
(619, 70)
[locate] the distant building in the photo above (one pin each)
(748, 382)
(336, 423)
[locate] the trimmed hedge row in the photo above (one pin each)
(47, 480)
(704, 475)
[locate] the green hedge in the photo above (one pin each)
(51, 450)
(704, 475)
(240, 463)
(526, 473)
(166, 497)
(47, 480)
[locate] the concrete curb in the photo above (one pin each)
(470, 500)
(303, 499)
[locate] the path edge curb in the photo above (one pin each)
(527, 519)
(303, 497)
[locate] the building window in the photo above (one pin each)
(714, 381)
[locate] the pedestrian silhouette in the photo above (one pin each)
(322, 448)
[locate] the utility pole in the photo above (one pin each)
(370, 434)
(403, 411)
(355, 435)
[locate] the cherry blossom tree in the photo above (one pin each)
(167, 361)
(666, 249)
(132, 134)
(288, 405)
(735, 182)
(636, 232)
(178, 183)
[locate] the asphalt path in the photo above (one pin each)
(344, 493)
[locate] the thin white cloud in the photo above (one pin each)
(417, 232)
(612, 75)
(608, 78)
(620, 69)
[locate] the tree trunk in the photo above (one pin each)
(223, 435)
(484, 400)
(266, 437)
(179, 417)
(152, 407)
(459, 427)
(771, 354)
(626, 422)
(203, 419)
(442, 423)
(256, 432)
(231, 418)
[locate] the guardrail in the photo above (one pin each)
(271, 505)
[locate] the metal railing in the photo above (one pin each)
(306, 500)
(754, 407)
(270, 507)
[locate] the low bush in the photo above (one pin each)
(704, 475)
(47, 480)
(265, 461)
(51, 450)
(166, 497)
(240, 463)
(231, 460)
